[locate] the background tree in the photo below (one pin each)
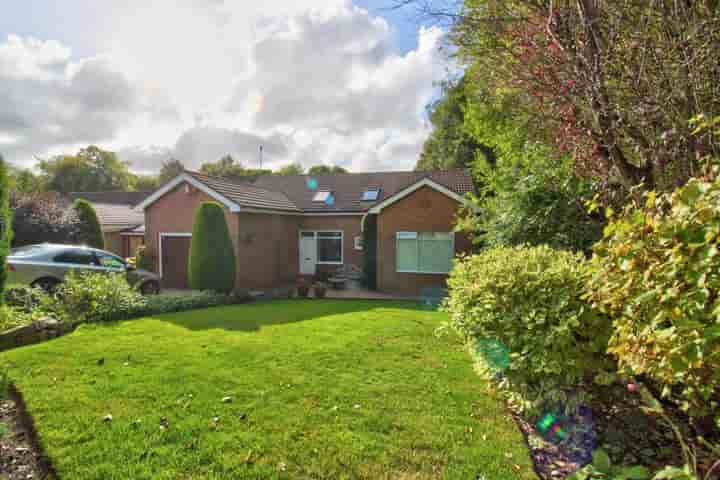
(529, 194)
(228, 167)
(90, 170)
(323, 169)
(5, 226)
(291, 169)
(24, 180)
(211, 264)
(42, 217)
(90, 230)
(449, 145)
(170, 169)
(143, 183)
(615, 84)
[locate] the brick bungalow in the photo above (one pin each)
(283, 226)
(123, 226)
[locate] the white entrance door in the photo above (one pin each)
(308, 253)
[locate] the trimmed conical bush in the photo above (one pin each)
(90, 230)
(212, 257)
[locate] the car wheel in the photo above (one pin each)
(150, 288)
(49, 285)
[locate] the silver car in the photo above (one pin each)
(46, 265)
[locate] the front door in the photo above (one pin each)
(308, 253)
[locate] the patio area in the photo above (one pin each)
(360, 293)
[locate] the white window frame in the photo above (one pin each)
(417, 238)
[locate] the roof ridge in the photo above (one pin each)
(377, 172)
(235, 182)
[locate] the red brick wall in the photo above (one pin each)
(268, 250)
(425, 210)
(349, 225)
(174, 213)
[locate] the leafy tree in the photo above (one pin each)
(450, 145)
(291, 169)
(529, 195)
(5, 226)
(90, 230)
(170, 169)
(90, 170)
(228, 168)
(42, 217)
(24, 180)
(324, 169)
(212, 256)
(613, 83)
(143, 183)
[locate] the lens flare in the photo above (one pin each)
(312, 183)
(493, 352)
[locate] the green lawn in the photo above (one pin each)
(319, 389)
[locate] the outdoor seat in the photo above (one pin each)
(344, 275)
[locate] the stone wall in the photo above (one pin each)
(36, 332)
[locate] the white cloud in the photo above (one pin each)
(319, 83)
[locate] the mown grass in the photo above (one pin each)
(318, 389)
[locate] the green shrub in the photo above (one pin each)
(5, 226)
(93, 297)
(90, 230)
(11, 317)
(212, 256)
(24, 298)
(657, 274)
(528, 301)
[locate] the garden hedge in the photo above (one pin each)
(212, 256)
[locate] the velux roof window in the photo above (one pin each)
(371, 194)
(322, 196)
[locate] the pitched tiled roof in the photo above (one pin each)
(115, 209)
(121, 198)
(246, 194)
(348, 188)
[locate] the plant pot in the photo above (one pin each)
(319, 291)
(303, 291)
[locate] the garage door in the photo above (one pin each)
(175, 252)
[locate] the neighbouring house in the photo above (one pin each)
(285, 226)
(123, 226)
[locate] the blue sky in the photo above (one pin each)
(328, 81)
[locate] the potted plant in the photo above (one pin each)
(319, 290)
(303, 289)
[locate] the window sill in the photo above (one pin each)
(329, 263)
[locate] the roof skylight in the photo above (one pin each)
(371, 194)
(322, 196)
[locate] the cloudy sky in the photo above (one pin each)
(316, 81)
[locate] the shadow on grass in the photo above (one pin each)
(254, 316)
